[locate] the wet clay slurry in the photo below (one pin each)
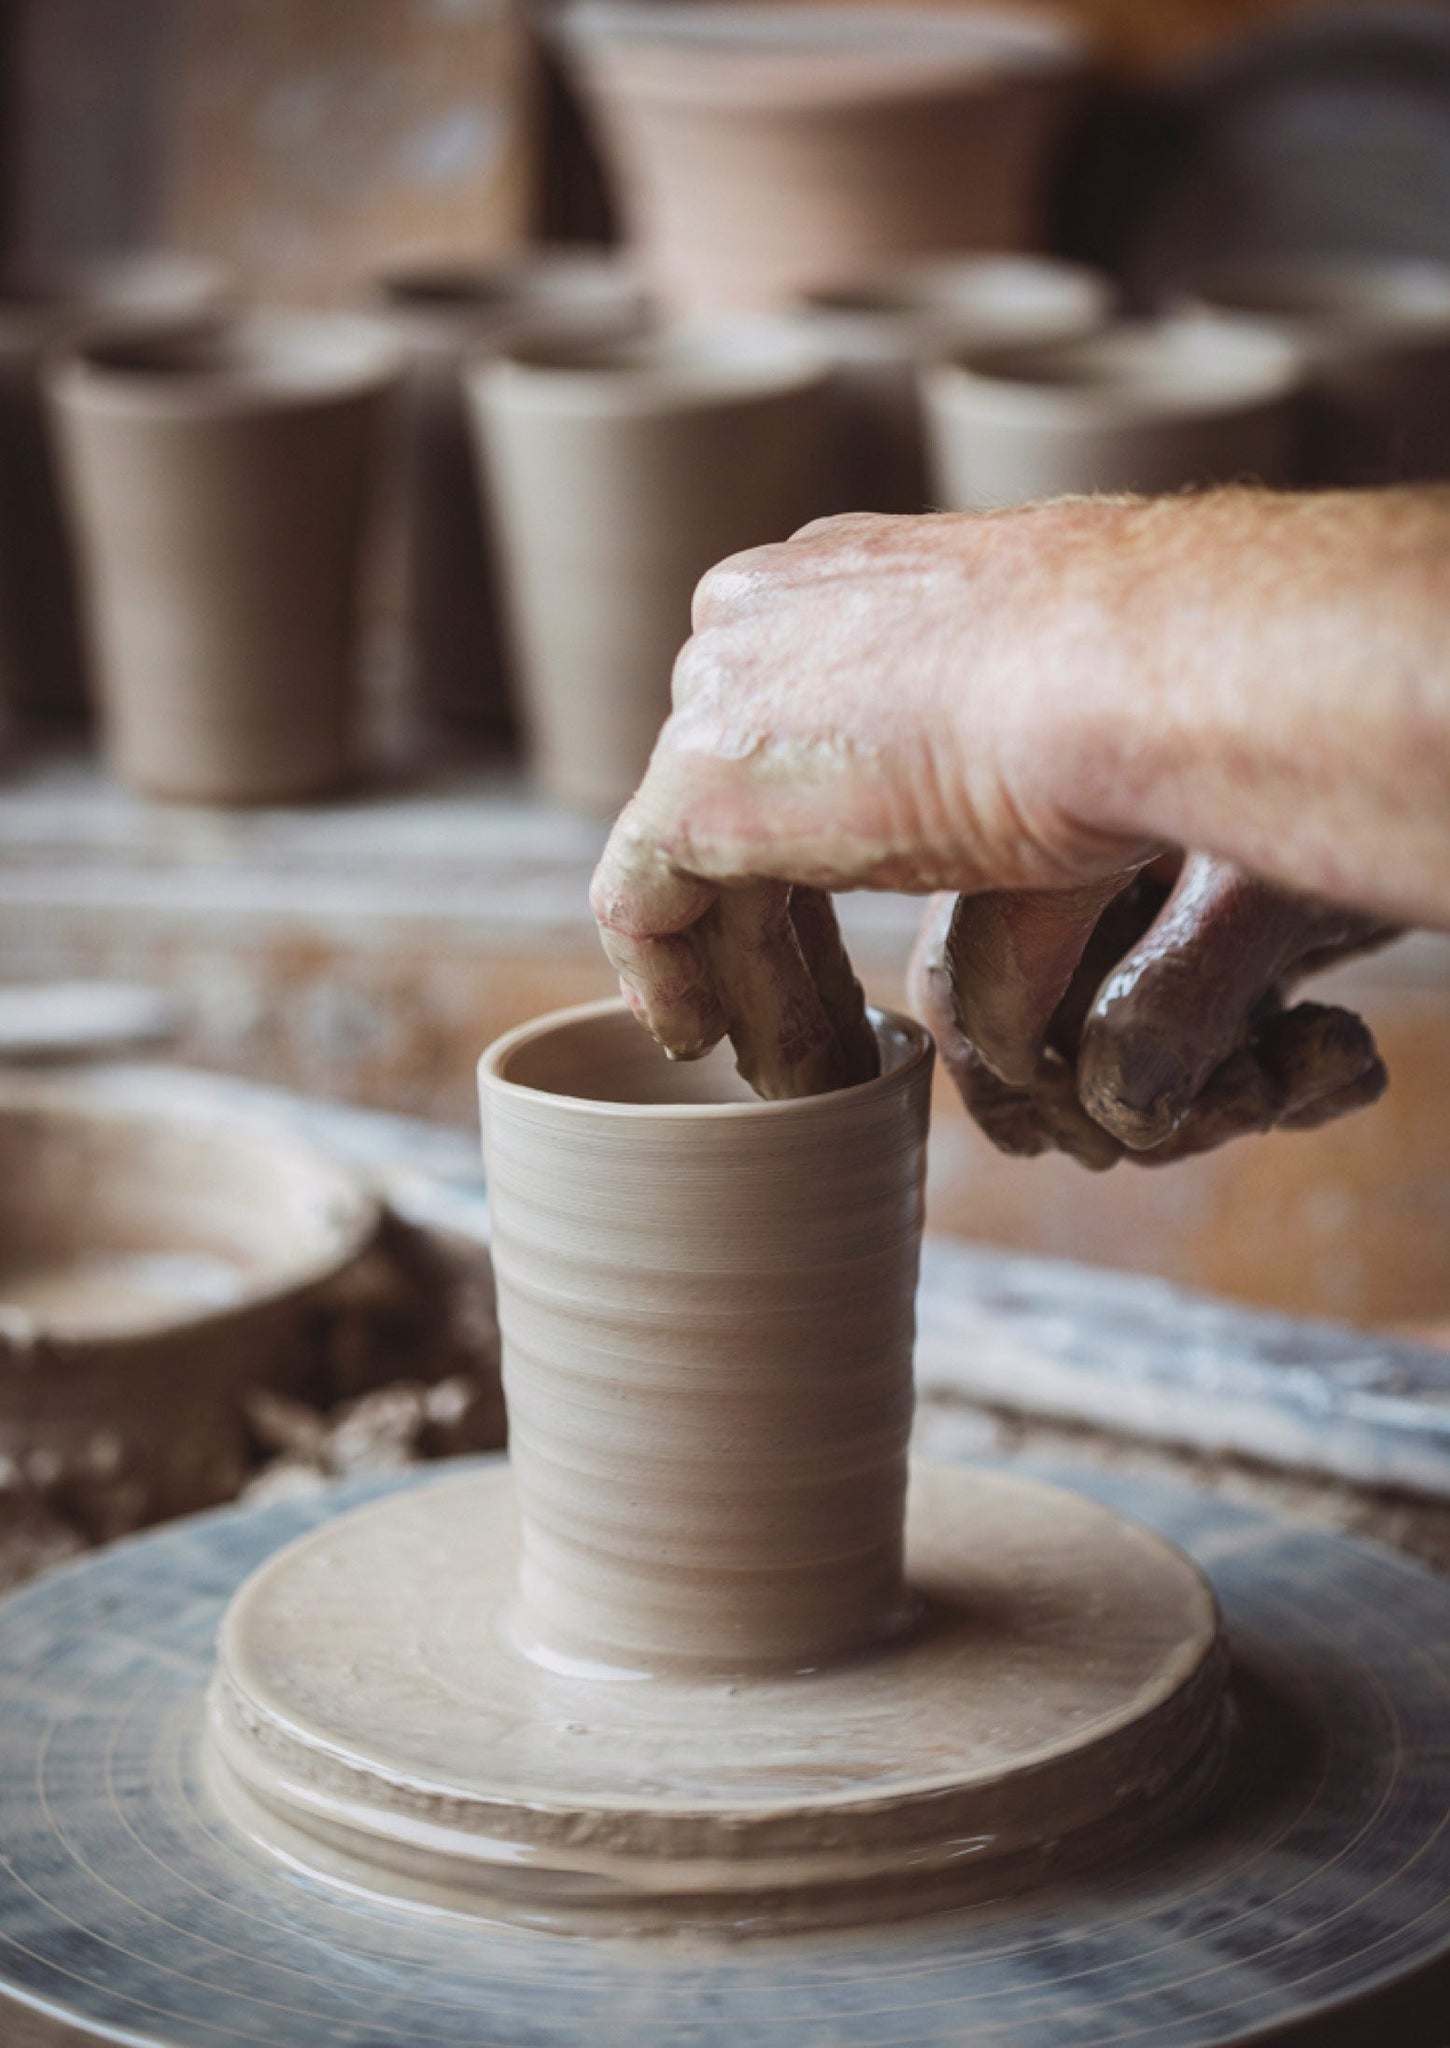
(691, 1662)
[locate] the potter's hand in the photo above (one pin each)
(1146, 1021)
(1043, 701)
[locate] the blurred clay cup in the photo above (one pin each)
(881, 331)
(444, 314)
(1376, 331)
(42, 669)
(219, 485)
(617, 474)
(1142, 406)
(760, 151)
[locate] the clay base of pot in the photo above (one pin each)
(1059, 1695)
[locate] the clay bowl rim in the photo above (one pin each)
(920, 1051)
(1377, 301)
(876, 317)
(526, 281)
(713, 52)
(591, 376)
(353, 1217)
(981, 383)
(78, 374)
(54, 301)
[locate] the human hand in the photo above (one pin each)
(900, 703)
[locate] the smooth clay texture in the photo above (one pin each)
(444, 317)
(42, 666)
(220, 487)
(760, 151)
(1143, 406)
(707, 1310)
(153, 1270)
(1055, 1700)
(617, 474)
(881, 331)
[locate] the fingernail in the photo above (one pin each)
(1151, 1091)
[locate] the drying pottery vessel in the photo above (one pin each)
(1140, 407)
(1376, 332)
(443, 315)
(759, 151)
(154, 1270)
(42, 670)
(881, 331)
(220, 486)
(617, 474)
(694, 1661)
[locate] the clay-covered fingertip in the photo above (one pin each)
(1141, 1096)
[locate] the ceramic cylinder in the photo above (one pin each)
(707, 1311)
(42, 667)
(882, 331)
(1147, 407)
(219, 488)
(616, 475)
(1376, 332)
(758, 151)
(443, 316)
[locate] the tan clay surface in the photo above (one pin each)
(760, 151)
(1057, 1694)
(446, 315)
(220, 488)
(880, 331)
(1140, 407)
(154, 1271)
(707, 1308)
(617, 474)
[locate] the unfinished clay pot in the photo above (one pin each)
(617, 474)
(764, 150)
(219, 486)
(1377, 334)
(1140, 407)
(694, 1282)
(42, 670)
(881, 331)
(443, 314)
(154, 1270)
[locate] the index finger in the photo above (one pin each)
(649, 914)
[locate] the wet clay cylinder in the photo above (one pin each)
(219, 486)
(616, 474)
(42, 667)
(707, 1312)
(1146, 406)
(445, 315)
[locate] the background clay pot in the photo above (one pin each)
(617, 474)
(1141, 407)
(1376, 332)
(42, 671)
(763, 150)
(154, 1271)
(882, 331)
(443, 314)
(220, 486)
(703, 1296)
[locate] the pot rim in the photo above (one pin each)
(1328, 300)
(160, 370)
(919, 1052)
(997, 381)
(688, 367)
(351, 1215)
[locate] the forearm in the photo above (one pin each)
(1269, 678)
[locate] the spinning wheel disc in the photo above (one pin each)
(132, 1911)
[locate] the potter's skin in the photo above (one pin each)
(1046, 702)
